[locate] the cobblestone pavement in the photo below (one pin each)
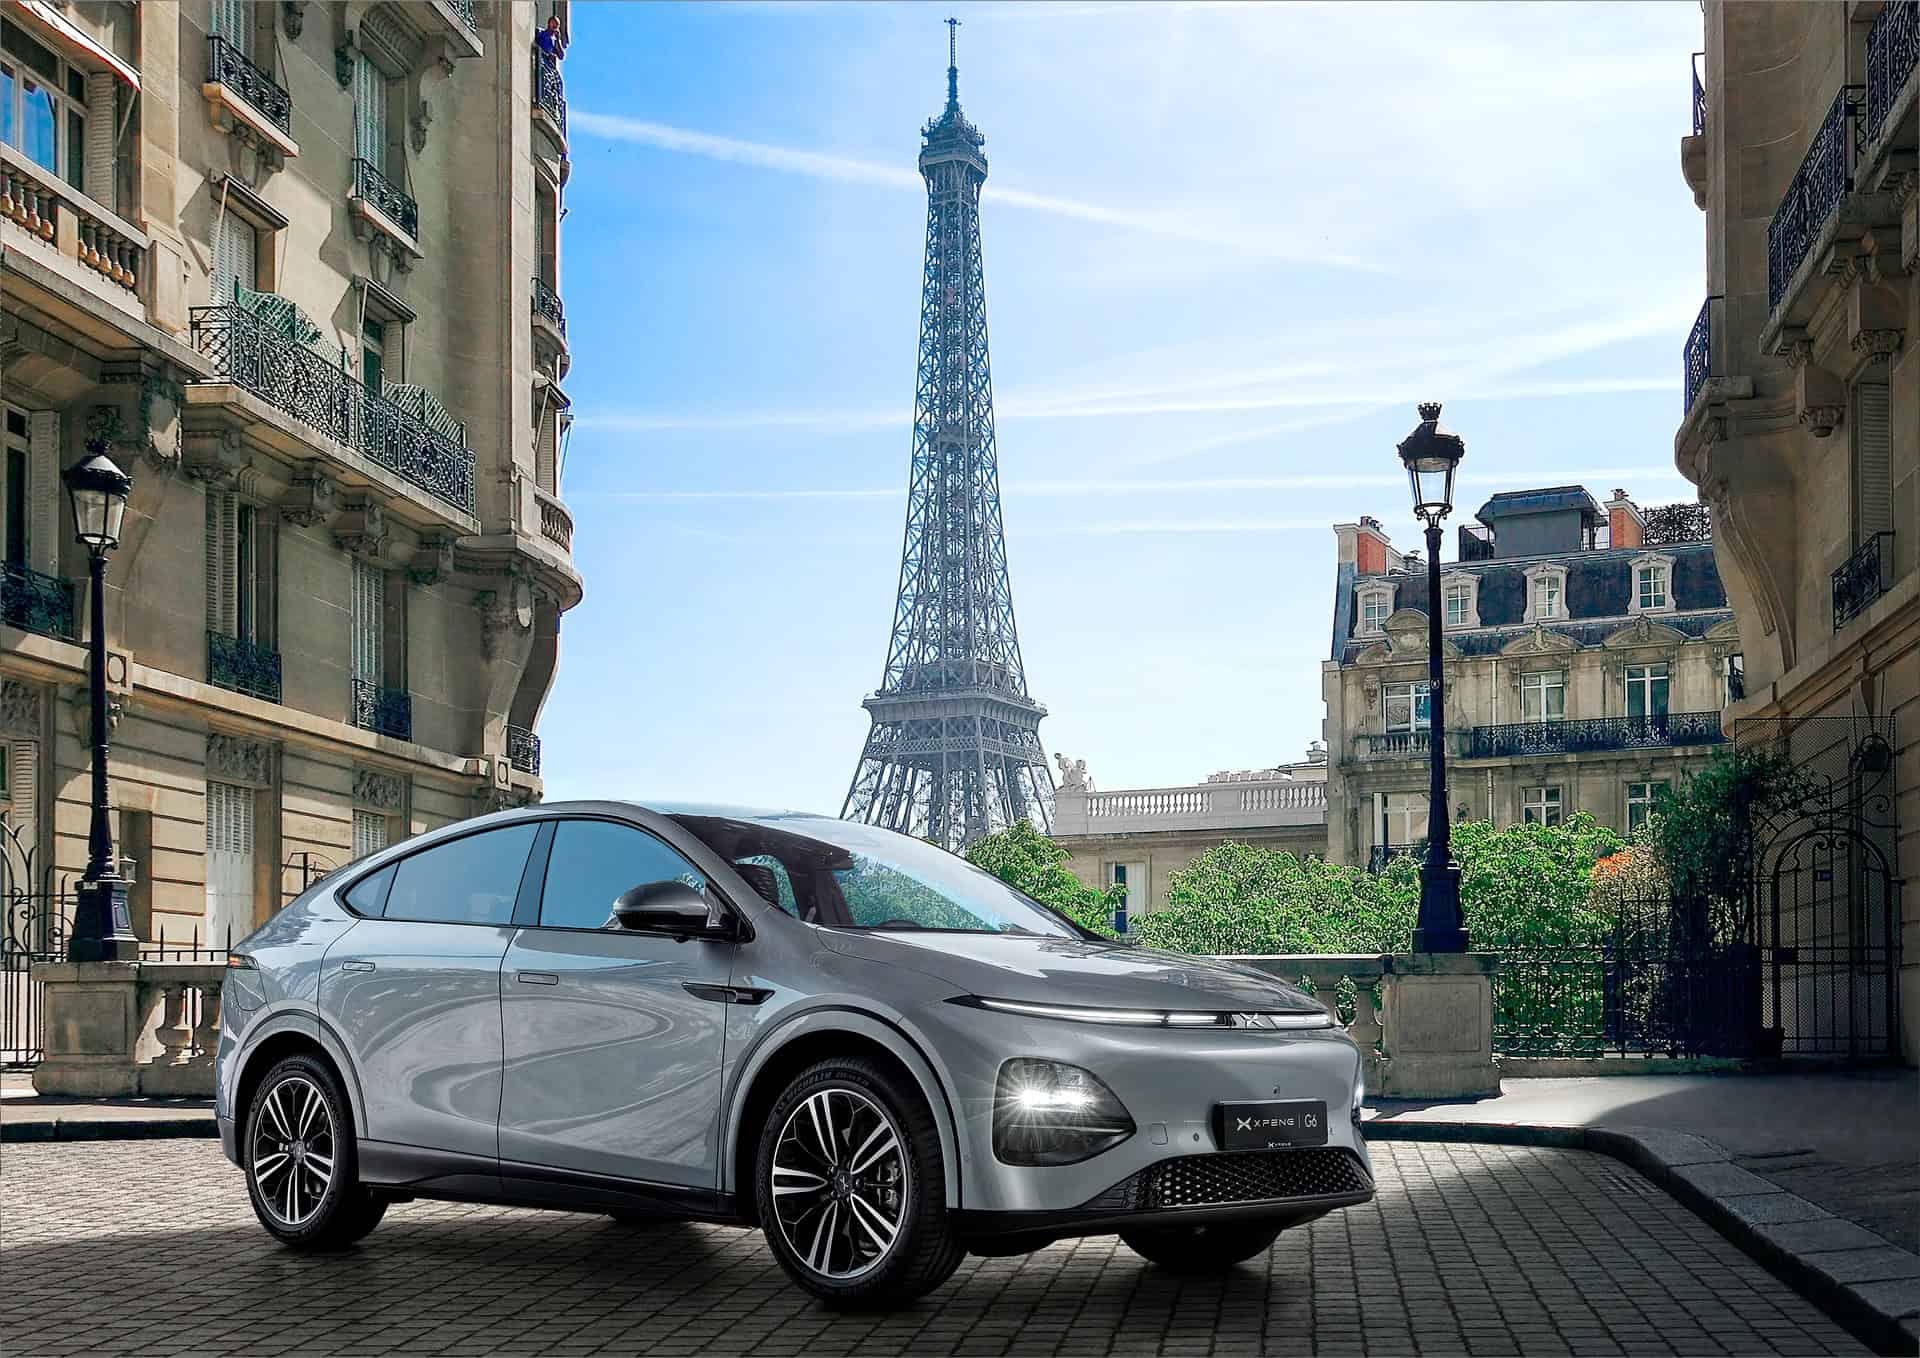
(151, 1248)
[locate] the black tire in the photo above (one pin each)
(906, 1178)
(298, 1122)
(1201, 1249)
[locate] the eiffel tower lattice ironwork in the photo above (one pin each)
(954, 752)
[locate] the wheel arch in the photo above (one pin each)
(298, 1036)
(818, 1035)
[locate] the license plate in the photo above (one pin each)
(1271, 1126)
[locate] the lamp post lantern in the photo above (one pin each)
(102, 930)
(1431, 457)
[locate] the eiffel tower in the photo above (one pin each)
(954, 752)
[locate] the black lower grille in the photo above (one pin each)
(1249, 1176)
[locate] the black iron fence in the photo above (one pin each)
(1862, 578)
(546, 305)
(237, 664)
(464, 9)
(1594, 733)
(228, 65)
(388, 711)
(1697, 358)
(1893, 52)
(392, 202)
(523, 750)
(36, 602)
(549, 91)
(1823, 179)
(1699, 94)
(1666, 525)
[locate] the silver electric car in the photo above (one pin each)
(880, 1055)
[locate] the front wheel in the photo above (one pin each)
(301, 1162)
(851, 1187)
(1201, 1249)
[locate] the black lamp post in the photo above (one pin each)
(102, 931)
(1431, 458)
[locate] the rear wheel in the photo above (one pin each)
(301, 1161)
(1201, 1249)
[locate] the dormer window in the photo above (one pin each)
(1652, 585)
(1459, 601)
(1375, 606)
(1546, 593)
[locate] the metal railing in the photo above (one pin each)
(523, 750)
(1668, 525)
(464, 9)
(1476, 542)
(1382, 854)
(228, 65)
(1594, 733)
(388, 711)
(547, 306)
(1699, 94)
(1893, 53)
(1696, 360)
(237, 664)
(1824, 178)
(36, 602)
(549, 91)
(393, 203)
(1862, 578)
(291, 377)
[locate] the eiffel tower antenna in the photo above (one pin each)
(954, 751)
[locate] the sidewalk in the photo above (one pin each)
(27, 1116)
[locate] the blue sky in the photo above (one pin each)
(1228, 247)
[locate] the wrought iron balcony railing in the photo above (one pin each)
(547, 305)
(36, 602)
(464, 8)
(1525, 738)
(388, 711)
(394, 204)
(1824, 178)
(240, 665)
(1697, 358)
(523, 750)
(1666, 525)
(549, 91)
(1382, 854)
(252, 353)
(1893, 54)
(1862, 578)
(1476, 542)
(1699, 95)
(228, 65)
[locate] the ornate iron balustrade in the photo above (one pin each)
(1862, 578)
(37, 602)
(388, 711)
(523, 750)
(464, 9)
(1696, 360)
(1893, 51)
(1666, 525)
(1525, 738)
(549, 91)
(546, 304)
(227, 65)
(238, 664)
(394, 204)
(1823, 179)
(252, 353)
(1699, 95)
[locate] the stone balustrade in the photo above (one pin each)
(1223, 805)
(129, 1029)
(1353, 982)
(76, 227)
(556, 524)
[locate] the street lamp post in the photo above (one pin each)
(102, 930)
(1431, 458)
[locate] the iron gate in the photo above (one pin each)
(33, 928)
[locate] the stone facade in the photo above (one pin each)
(1802, 426)
(1587, 653)
(297, 273)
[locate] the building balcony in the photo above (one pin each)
(556, 524)
(1693, 149)
(1819, 186)
(237, 664)
(1862, 578)
(1893, 56)
(1520, 740)
(1392, 744)
(415, 441)
(386, 711)
(380, 205)
(72, 229)
(246, 100)
(1249, 804)
(548, 311)
(35, 602)
(549, 98)
(1382, 854)
(1476, 542)
(1696, 360)
(523, 750)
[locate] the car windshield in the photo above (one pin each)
(852, 876)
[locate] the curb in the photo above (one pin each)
(103, 1129)
(1868, 1287)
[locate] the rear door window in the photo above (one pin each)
(471, 880)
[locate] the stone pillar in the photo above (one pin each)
(1439, 1027)
(93, 1022)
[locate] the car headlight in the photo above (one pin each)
(1359, 1090)
(1150, 1018)
(1050, 1113)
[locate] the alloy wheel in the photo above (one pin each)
(294, 1148)
(840, 1183)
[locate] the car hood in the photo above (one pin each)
(1069, 971)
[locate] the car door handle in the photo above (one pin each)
(536, 978)
(727, 994)
(356, 966)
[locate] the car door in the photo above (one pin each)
(613, 1038)
(413, 989)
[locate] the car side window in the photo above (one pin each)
(594, 861)
(471, 880)
(368, 896)
(782, 883)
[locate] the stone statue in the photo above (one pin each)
(1073, 774)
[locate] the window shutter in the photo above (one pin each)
(229, 863)
(369, 112)
(234, 257)
(369, 609)
(43, 491)
(223, 585)
(369, 832)
(23, 814)
(233, 20)
(546, 452)
(1872, 461)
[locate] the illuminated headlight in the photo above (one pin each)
(1150, 1018)
(1050, 1113)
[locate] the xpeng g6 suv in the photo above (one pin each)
(879, 1055)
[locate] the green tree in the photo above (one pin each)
(1028, 861)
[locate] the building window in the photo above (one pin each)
(1546, 593)
(1640, 802)
(370, 100)
(233, 20)
(1408, 706)
(1650, 588)
(1647, 690)
(369, 607)
(1735, 680)
(1872, 448)
(43, 106)
(17, 450)
(1540, 806)
(239, 559)
(373, 355)
(1131, 878)
(229, 863)
(236, 257)
(1375, 606)
(369, 832)
(1457, 601)
(1403, 819)
(1543, 696)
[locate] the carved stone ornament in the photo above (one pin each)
(1878, 345)
(1797, 348)
(80, 709)
(105, 428)
(382, 791)
(491, 798)
(418, 124)
(432, 560)
(361, 529)
(311, 496)
(19, 707)
(293, 17)
(505, 615)
(236, 759)
(1822, 420)
(214, 456)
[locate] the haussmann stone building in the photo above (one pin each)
(295, 267)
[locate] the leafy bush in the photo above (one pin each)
(1028, 861)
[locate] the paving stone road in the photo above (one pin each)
(150, 1247)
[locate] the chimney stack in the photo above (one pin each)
(1626, 527)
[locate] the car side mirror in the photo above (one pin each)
(669, 907)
